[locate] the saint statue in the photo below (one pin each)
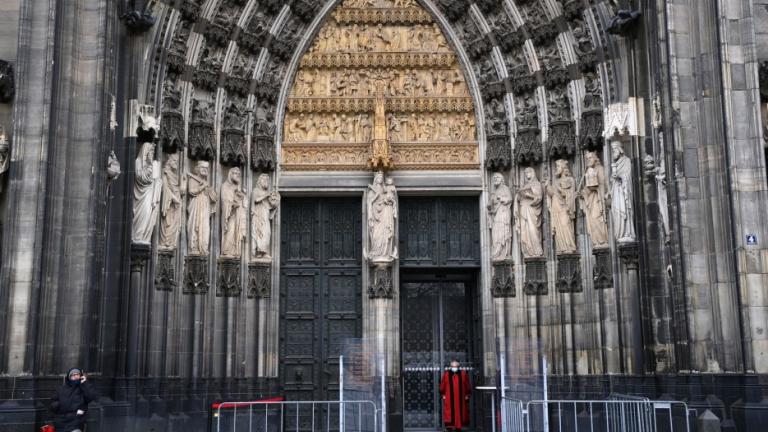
(622, 210)
(233, 228)
(263, 208)
(562, 208)
(170, 210)
(528, 203)
(202, 196)
(382, 213)
(500, 219)
(592, 189)
(146, 194)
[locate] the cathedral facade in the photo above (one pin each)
(211, 200)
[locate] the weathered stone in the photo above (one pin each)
(569, 274)
(229, 283)
(602, 273)
(381, 286)
(535, 277)
(196, 275)
(503, 281)
(165, 270)
(260, 279)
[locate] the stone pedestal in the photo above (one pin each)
(196, 274)
(229, 283)
(602, 273)
(260, 279)
(165, 272)
(381, 286)
(569, 273)
(535, 276)
(503, 281)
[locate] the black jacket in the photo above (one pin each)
(67, 400)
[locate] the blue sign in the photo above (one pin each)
(751, 240)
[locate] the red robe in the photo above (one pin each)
(455, 389)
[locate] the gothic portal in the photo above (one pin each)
(207, 200)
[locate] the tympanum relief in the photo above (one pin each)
(380, 60)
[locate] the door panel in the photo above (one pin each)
(320, 301)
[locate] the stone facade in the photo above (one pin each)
(677, 309)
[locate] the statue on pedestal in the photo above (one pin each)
(382, 214)
(146, 194)
(263, 208)
(528, 207)
(170, 210)
(622, 208)
(233, 227)
(562, 208)
(500, 219)
(201, 205)
(592, 190)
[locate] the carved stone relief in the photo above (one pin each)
(259, 279)
(233, 143)
(207, 73)
(379, 57)
(503, 280)
(658, 175)
(165, 271)
(171, 121)
(201, 137)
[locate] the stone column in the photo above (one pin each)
(629, 300)
(139, 256)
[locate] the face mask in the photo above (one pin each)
(454, 369)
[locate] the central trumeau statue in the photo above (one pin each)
(379, 89)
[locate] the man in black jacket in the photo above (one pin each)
(70, 402)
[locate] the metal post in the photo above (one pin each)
(546, 406)
(341, 393)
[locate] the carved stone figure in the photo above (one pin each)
(658, 174)
(562, 208)
(528, 206)
(146, 194)
(592, 190)
(500, 219)
(382, 215)
(233, 227)
(170, 210)
(622, 208)
(201, 205)
(263, 208)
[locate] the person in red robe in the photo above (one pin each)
(455, 390)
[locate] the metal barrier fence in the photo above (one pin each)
(621, 414)
(297, 416)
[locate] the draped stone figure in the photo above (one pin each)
(263, 208)
(382, 213)
(170, 210)
(500, 219)
(622, 209)
(201, 205)
(146, 194)
(562, 208)
(592, 190)
(528, 207)
(233, 225)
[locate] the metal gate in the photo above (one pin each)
(320, 296)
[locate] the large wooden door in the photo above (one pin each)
(320, 292)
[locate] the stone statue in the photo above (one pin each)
(562, 208)
(658, 174)
(622, 210)
(382, 214)
(146, 194)
(233, 228)
(202, 196)
(170, 210)
(263, 208)
(528, 206)
(592, 190)
(500, 219)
